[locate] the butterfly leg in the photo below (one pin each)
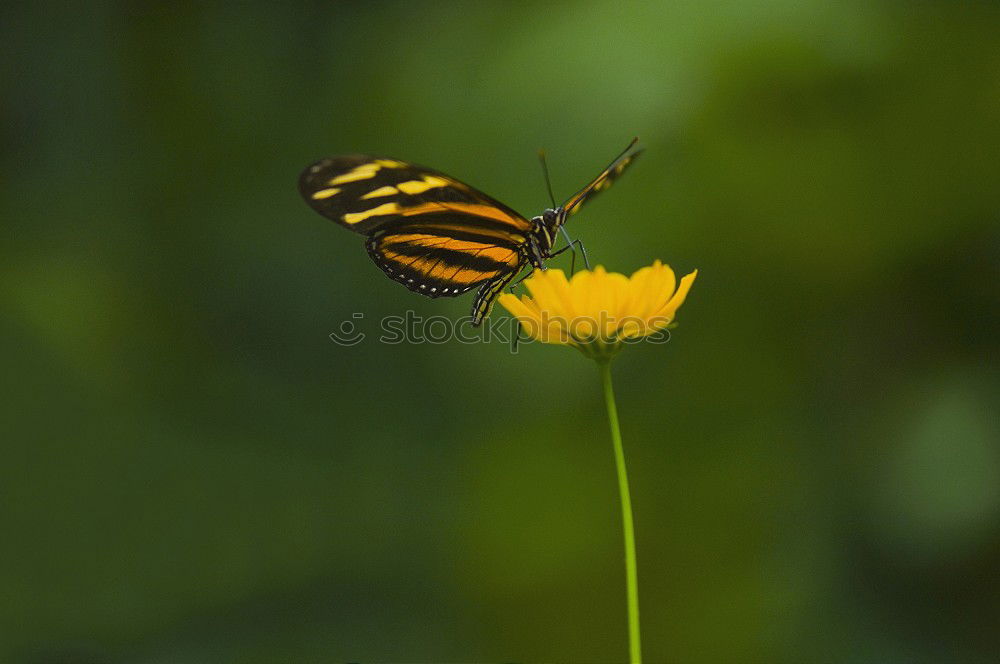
(518, 282)
(570, 247)
(579, 244)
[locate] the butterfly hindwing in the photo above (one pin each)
(438, 260)
(605, 179)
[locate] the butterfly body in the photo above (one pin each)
(434, 234)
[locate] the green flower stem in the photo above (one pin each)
(631, 577)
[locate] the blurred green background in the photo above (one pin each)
(193, 472)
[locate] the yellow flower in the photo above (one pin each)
(598, 311)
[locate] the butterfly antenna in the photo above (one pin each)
(545, 171)
(635, 141)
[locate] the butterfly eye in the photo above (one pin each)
(549, 217)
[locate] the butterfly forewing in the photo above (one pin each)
(605, 179)
(364, 192)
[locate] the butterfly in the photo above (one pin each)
(437, 235)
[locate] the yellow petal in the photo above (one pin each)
(673, 304)
(662, 288)
(581, 289)
(540, 287)
(524, 311)
(686, 281)
(518, 308)
(562, 291)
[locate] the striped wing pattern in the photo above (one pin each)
(432, 233)
(433, 263)
(605, 179)
(363, 193)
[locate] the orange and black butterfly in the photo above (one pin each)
(434, 234)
